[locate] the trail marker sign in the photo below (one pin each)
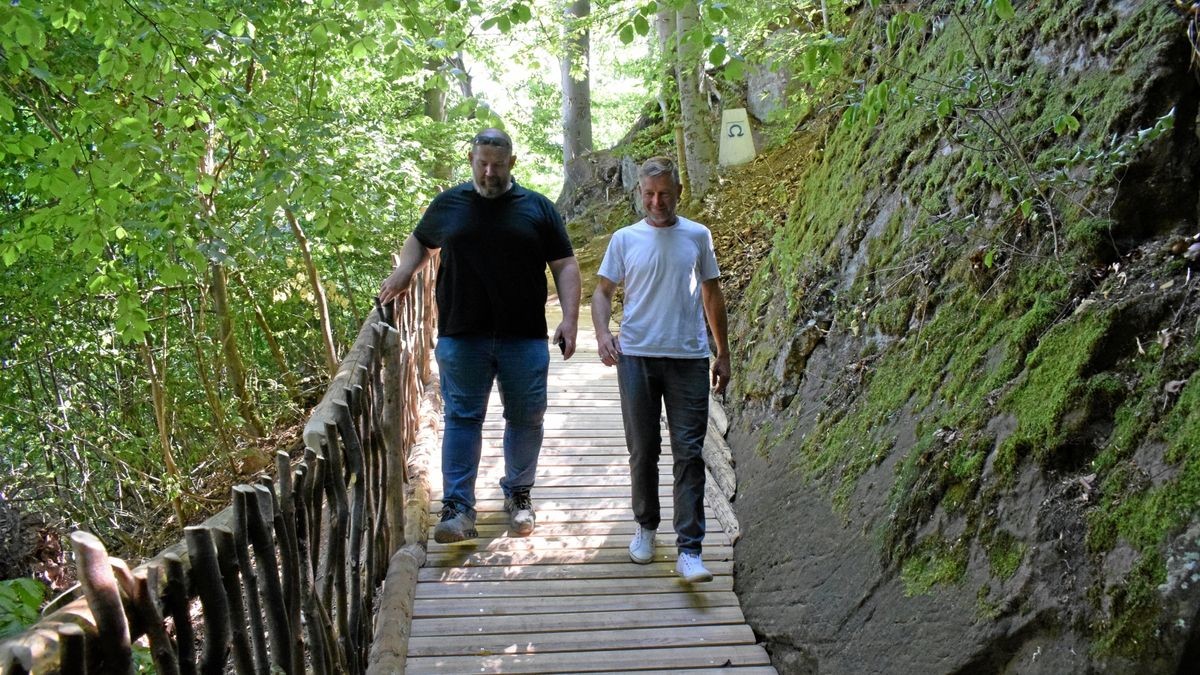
(737, 144)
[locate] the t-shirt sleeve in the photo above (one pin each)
(708, 258)
(554, 234)
(429, 230)
(613, 265)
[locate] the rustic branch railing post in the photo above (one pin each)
(285, 579)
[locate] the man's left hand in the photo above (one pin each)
(720, 374)
(566, 334)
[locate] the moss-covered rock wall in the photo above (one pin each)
(966, 412)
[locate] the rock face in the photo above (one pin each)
(966, 410)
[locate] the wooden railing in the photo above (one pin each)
(285, 579)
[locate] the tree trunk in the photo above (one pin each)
(197, 328)
(220, 292)
(229, 347)
(699, 146)
(158, 395)
(668, 96)
(575, 65)
(435, 110)
(289, 378)
(331, 358)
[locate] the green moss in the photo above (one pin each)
(1004, 553)
(1135, 609)
(985, 608)
(1053, 385)
(934, 561)
(1093, 237)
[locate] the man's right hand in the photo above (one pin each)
(395, 286)
(609, 347)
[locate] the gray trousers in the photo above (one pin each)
(647, 383)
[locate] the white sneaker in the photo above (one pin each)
(690, 567)
(641, 549)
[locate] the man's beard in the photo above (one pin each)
(492, 189)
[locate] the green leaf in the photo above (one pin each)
(452, 5)
(641, 25)
(717, 55)
(734, 70)
(521, 13)
(318, 35)
(810, 60)
(1004, 9)
(626, 34)
(1026, 208)
(41, 74)
(945, 107)
(503, 24)
(989, 258)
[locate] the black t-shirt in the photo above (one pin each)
(492, 279)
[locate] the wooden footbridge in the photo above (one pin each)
(567, 599)
(329, 568)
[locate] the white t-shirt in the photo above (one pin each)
(662, 269)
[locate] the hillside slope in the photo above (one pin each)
(965, 412)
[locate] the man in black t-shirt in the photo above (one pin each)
(496, 239)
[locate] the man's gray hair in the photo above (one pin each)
(659, 166)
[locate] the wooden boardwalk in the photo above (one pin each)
(567, 599)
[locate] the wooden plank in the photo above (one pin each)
(617, 570)
(536, 623)
(495, 527)
(472, 607)
(547, 542)
(464, 555)
(589, 640)
(724, 670)
(595, 661)
(541, 504)
(517, 588)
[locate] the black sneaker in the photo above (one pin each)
(456, 525)
(521, 518)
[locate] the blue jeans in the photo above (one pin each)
(647, 383)
(469, 365)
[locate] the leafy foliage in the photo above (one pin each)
(142, 145)
(20, 600)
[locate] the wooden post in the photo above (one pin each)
(206, 575)
(103, 598)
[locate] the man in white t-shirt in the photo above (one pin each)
(669, 270)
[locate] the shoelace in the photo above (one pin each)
(522, 502)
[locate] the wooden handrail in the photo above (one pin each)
(285, 578)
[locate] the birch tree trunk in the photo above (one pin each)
(575, 65)
(699, 146)
(435, 110)
(668, 95)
